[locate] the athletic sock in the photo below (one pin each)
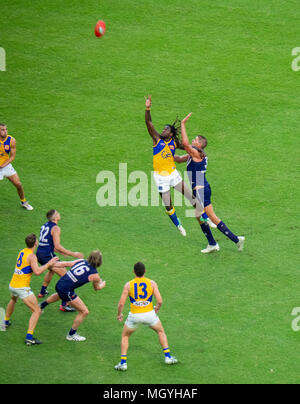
(123, 359)
(43, 290)
(167, 352)
(172, 215)
(43, 305)
(6, 320)
(72, 332)
(208, 234)
(204, 216)
(29, 335)
(23, 200)
(224, 229)
(63, 303)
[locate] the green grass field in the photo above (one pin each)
(75, 104)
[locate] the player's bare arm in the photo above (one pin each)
(55, 232)
(122, 301)
(32, 260)
(152, 132)
(13, 152)
(97, 282)
(157, 296)
(181, 159)
(185, 140)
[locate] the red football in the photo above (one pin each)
(100, 28)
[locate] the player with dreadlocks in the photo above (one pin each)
(165, 173)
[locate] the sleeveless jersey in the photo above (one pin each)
(77, 276)
(23, 271)
(140, 295)
(197, 172)
(5, 150)
(163, 157)
(46, 244)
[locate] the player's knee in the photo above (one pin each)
(85, 311)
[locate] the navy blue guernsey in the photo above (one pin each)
(46, 244)
(197, 172)
(77, 276)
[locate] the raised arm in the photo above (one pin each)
(185, 140)
(152, 132)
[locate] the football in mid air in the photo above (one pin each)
(100, 28)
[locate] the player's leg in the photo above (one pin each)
(83, 311)
(171, 212)
(126, 333)
(158, 328)
(10, 310)
(32, 303)
(47, 280)
(65, 307)
(15, 180)
(238, 240)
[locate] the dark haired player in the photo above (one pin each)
(141, 291)
(49, 243)
(165, 173)
(196, 167)
(8, 152)
(20, 286)
(82, 272)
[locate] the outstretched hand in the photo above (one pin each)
(148, 101)
(184, 120)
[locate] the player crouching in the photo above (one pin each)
(82, 272)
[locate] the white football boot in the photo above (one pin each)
(76, 337)
(211, 224)
(171, 360)
(241, 242)
(211, 248)
(26, 206)
(121, 367)
(182, 230)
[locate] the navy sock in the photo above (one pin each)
(43, 290)
(208, 234)
(44, 304)
(63, 303)
(72, 332)
(224, 229)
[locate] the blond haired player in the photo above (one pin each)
(7, 155)
(141, 291)
(20, 286)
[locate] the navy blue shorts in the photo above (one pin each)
(203, 195)
(66, 294)
(43, 259)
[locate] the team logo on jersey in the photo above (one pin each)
(141, 304)
(6, 147)
(172, 147)
(166, 155)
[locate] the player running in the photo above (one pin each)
(20, 286)
(140, 291)
(49, 244)
(82, 272)
(8, 152)
(196, 167)
(165, 173)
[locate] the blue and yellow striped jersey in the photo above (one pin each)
(23, 271)
(140, 295)
(163, 157)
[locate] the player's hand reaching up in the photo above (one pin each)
(184, 120)
(148, 101)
